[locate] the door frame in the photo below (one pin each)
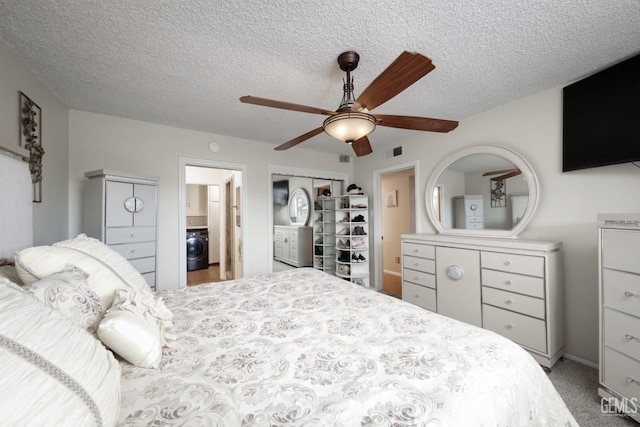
(377, 208)
(293, 171)
(183, 162)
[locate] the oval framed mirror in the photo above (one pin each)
(483, 191)
(299, 209)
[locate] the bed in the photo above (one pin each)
(295, 348)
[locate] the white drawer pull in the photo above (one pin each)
(508, 301)
(133, 235)
(629, 294)
(507, 263)
(416, 250)
(416, 296)
(416, 278)
(631, 380)
(629, 337)
(416, 264)
(133, 251)
(508, 326)
(508, 282)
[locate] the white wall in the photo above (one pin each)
(49, 217)
(569, 202)
(99, 141)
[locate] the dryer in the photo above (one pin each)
(197, 249)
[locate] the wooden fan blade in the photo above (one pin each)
(505, 176)
(500, 171)
(298, 140)
(285, 105)
(362, 146)
(416, 123)
(403, 72)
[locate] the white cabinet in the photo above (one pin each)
(469, 212)
(512, 287)
(293, 245)
(324, 234)
(197, 200)
(352, 238)
(619, 289)
(121, 210)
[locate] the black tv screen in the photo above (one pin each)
(281, 192)
(601, 116)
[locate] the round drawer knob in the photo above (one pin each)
(509, 326)
(628, 294)
(508, 282)
(416, 264)
(133, 235)
(416, 296)
(630, 380)
(455, 272)
(508, 301)
(133, 251)
(507, 263)
(629, 337)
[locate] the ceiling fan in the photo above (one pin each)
(352, 121)
(504, 174)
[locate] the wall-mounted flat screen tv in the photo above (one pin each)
(601, 118)
(281, 192)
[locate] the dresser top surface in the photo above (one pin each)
(483, 242)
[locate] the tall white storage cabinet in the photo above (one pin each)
(619, 286)
(352, 239)
(121, 210)
(469, 212)
(512, 287)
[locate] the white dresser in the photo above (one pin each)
(619, 290)
(293, 245)
(513, 287)
(121, 210)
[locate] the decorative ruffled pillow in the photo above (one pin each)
(135, 328)
(52, 372)
(68, 292)
(9, 272)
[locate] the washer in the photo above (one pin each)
(197, 249)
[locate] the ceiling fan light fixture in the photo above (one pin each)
(349, 126)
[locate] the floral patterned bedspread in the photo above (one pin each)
(302, 348)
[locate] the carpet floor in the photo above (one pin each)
(578, 386)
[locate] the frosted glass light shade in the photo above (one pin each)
(349, 127)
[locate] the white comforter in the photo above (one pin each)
(302, 348)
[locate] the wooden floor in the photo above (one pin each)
(198, 277)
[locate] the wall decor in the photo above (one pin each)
(392, 199)
(31, 139)
(498, 193)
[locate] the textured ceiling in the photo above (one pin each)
(185, 63)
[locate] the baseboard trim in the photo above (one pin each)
(582, 360)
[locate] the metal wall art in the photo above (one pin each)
(498, 193)
(31, 139)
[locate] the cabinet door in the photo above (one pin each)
(459, 296)
(147, 215)
(117, 195)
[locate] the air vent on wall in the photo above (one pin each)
(395, 152)
(344, 158)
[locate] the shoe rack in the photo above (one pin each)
(324, 237)
(352, 238)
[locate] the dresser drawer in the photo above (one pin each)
(418, 250)
(419, 295)
(136, 250)
(419, 278)
(524, 330)
(621, 291)
(514, 302)
(622, 332)
(144, 265)
(293, 238)
(618, 252)
(621, 374)
(420, 264)
(533, 286)
(521, 264)
(150, 278)
(117, 235)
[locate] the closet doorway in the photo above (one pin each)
(211, 197)
(395, 199)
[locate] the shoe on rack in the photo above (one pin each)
(358, 218)
(359, 206)
(358, 243)
(358, 282)
(319, 229)
(319, 218)
(319, 240)
(361, 258)
(344, 232)
(318, 250)
(346, 218)
(341, 244)
(354, 257)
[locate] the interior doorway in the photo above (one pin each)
(210, 199)
(395, 200)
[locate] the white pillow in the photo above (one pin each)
(111, 259)
(68, 292)
(52, 372)
(135, 330)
